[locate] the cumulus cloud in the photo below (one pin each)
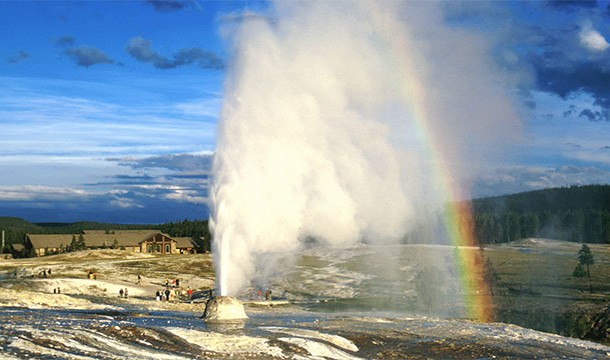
(547, 58)
(141, 49)
(186, 195)
(572, 5)
(87, 56)
(167, 5)
(594, 115)
(188, 179)
(592, 40)
(66, 40)
(83, 55)
(561, 67)
(18, 57)
(179, 162)
(579, 76)
(124, 203)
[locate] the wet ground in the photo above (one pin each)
(352, 303)
(272, 333)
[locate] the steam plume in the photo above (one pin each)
(324, 134)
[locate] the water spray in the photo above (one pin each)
(337, 117)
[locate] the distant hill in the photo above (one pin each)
(15, 229)
(577, 213)
(575, 197)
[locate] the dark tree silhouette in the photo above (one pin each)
(585, 257)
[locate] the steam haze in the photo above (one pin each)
(337, 117)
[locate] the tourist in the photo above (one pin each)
(121, 292)
(158, 295)
(167, 292)
(126, 292)
(189, 293)
(139, 279)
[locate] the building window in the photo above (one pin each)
(168, 248)
(158, 248)
(148, 248)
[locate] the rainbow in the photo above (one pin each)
(458, 219)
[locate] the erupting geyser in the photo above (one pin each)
(224, 308)
(345, 121)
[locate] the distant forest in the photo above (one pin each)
(577, 214)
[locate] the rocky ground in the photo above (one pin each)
(88, 319)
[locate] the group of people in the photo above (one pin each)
(171, 294)
(123, 293)
(92, 275)
(268, 293)
(44, 273)
(175, 283)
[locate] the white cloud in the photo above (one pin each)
(190, 196)
(125, 203)
(514, 179)
(592, 39)
(201, 107)
(35, 192)
(38, 121)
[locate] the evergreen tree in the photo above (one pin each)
(579, 271)
(73, 244)
(585, 257)
(80, 244)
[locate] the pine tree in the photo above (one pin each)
(80, 244)
(73, 245)
(585, 257)
(579, 271)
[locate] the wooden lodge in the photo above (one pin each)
(143, 241)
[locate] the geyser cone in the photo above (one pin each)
(224, 308)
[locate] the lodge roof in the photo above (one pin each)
(95, 238)
(102, 232)
(50, 241)
(18, 247)
(184, 242)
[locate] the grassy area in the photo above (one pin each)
(194, 270)
(535, 288)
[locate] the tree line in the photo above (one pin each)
(577, 214)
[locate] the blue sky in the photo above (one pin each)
(109, 108)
